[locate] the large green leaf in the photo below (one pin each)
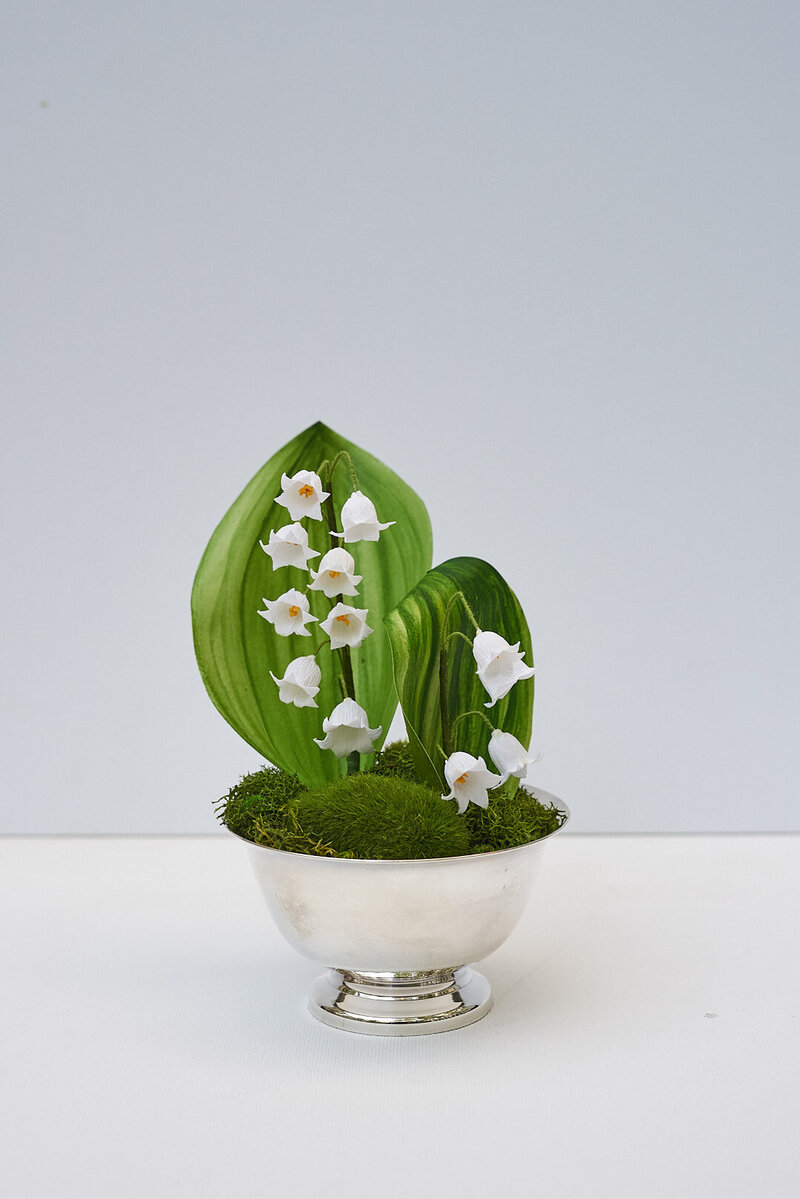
(415, 629)
(236, 648)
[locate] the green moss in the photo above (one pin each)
(374, 816)
(258, 799)
(395, 761)
(511, 820)
(286, 833)
(384, 813)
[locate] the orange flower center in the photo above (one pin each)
(462, 778)
(305, 490)
(334, 574)
(344, 620)
(294, 610)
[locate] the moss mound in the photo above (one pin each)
(258, 797)
(373, 816)
(386, 812)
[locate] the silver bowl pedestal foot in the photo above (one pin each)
(400, 1004)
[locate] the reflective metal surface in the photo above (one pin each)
(398, 934)
(400, 1004)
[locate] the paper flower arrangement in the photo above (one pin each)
(378, 627)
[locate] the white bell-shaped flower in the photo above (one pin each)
(289, 547)
(360, 520)
(300, 683)
(500, 665)
(289, 613)
(302, 495)
(509, 755)
(335, 575)
(469, 780)
(347, 729)
(346, 626)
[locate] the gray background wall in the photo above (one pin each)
(541, 258)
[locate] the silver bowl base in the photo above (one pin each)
(400, 1004)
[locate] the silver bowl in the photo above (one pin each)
(396, 935)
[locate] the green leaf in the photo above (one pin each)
(236, 648)
(415, 629)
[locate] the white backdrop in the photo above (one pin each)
(541, 259)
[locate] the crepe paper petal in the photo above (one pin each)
(500, 665)
(360, 520)
(347, 730)
(336, 575)
(469, 780)
(346, 626)
(289, 547)
(302, 495)
(300, 682)
(289, 613)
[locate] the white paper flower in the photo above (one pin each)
(289, 547)
(300, 683)
(360, 520)
(347, 729)
(335, 575)
(469, 780)
(509, 755)
(346, 626)
(302, 495)
(289, 613)
(500, 665)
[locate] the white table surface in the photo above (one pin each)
(645, 1041)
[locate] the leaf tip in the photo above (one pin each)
(319, 428)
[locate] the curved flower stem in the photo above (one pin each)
(330, 519)
(469, 612)
(463, 636)
(459, 595)
(474, 712)
(344, 456)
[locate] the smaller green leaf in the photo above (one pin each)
(416, 632)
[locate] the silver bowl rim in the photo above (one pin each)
(464, 857)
